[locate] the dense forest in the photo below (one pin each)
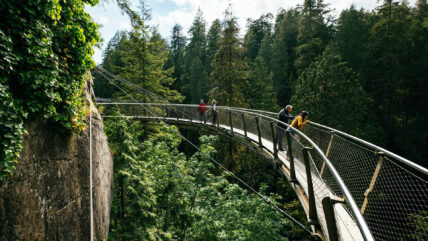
(363, 72)
(164, 194)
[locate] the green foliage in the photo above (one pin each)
(160, 194)
(283, 54)
(352, 37)
(140, 57)
(46, 47)
(213, 38)
(229, 70)
(11, 132)
(260, 93)
(195, 79)
(176, 56)
(331, 92)
(133, 215)
(420, 221)
(256, 33)
(395, 76)
(313, 34)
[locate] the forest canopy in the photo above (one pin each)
(362, 72)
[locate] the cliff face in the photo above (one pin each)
(47, 198)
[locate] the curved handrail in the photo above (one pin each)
(377, 148)
(365, 231)
(358, 140)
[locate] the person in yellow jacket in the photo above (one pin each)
(298, 123)
(300, 120)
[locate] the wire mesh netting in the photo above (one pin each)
(390, 194)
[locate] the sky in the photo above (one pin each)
(167, 13)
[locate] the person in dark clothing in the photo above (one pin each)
(283, 116)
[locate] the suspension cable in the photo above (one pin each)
(265, 199)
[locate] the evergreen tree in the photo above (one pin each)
(352, 37)
(257, 30)
(197, 43)
(176, 56)
(395, 75)
(144, 55)
(110, 56)
(260, 93)
(229, 70)
(332, 93)
(133, 214)
(283, 54)
(313, 35)
(213, 39)
(196, 53)
(102, 87)
(265, 51)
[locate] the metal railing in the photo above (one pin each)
(390, 191)
(327, 200)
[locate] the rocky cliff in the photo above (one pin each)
(47, 198)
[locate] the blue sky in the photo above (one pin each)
(166, 13)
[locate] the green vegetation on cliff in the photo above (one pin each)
(46, 48)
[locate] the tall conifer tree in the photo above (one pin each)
(229, 70)
(176, 56)
(213, 39)
(144, 55)
(283, 54)
(196, 84)
(313, 33)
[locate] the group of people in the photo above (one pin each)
(202, 109)
(284, 117)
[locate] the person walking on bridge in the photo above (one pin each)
(284, 116)
(214, 110)
(202, 107)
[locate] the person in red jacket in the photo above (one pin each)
(202, 108)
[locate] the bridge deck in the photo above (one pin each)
(347, 227)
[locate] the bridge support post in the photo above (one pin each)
(164, 112)
(327, 205)
(290, 157)
(327, 152)
(218, 118)
(275, 150)
(168, 111)
(184, 111)
(313, 219)
(230, 121)
(245, 126)
(258, 131)
(176, 112)
(372, 182)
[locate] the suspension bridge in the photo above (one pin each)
(350, 189)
